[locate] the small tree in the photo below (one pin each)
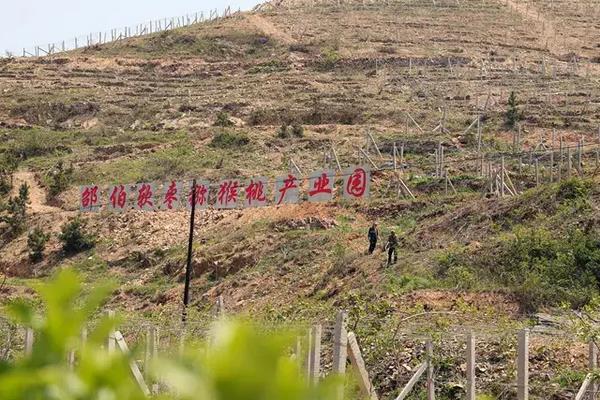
(298, 130)
(8, 165)
(16, 211)
(286, 131)
(36, 242)
(60, 177)
(283, 132)
(512, 113)
(223, 120)
(74, 238)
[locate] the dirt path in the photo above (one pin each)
(269, 29)
(37, 194)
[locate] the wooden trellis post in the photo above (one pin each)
(569, 162)
(220, 306)
(356, 359)
(135, 370)
(430, 381)
(29, 339)
(523, 365)
(110, 342)
(308, 364)
(502, 178)
(340, 349)
(471, 387)
(335, 155)
(560, 160)
(552, 156)
(315, 358)
(479, 137)
(598, 150)
(593, 363)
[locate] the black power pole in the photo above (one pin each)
(188, 268)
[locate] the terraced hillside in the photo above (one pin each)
(210, 100)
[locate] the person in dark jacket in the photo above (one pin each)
(390, 246)
(373, 236)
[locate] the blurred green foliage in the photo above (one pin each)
(242, 362)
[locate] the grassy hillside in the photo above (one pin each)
(209, 101)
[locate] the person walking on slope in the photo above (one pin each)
(390, 246)
(373, 236)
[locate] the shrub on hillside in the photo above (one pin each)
(573, 189)
(36, 243)
(59, 179)
(74, 237)
(297, 130)
(328, 60)
(5, 184)
(512, 113)
(540, 268)
(8, 165)
(223, 120)
(286, 131)
(14, 213)
(229, 139)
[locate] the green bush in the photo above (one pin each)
(573, 189)
(286, 131)
(297, 130)
(229, 139)
(539, 267)
(461, 277)
(547, 270)
(14, 213)
(5, 184)
(329, 59)
(36, 243)
(223, 120)
(74, 238)
(8, 165)
(59, 179)
(512, 113)
(283, 132)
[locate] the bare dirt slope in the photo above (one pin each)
(37, 194)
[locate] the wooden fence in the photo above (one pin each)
(345, 350)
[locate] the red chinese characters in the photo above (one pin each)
(291, 188)
(117, 198)
(89, 199)
(357, 183)
(145, 197)
(320, 186)
(228, 193)
(256, 193)
(202, 191)
(171, 195)
(286, 190)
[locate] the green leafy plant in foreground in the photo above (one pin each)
(241, 362)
